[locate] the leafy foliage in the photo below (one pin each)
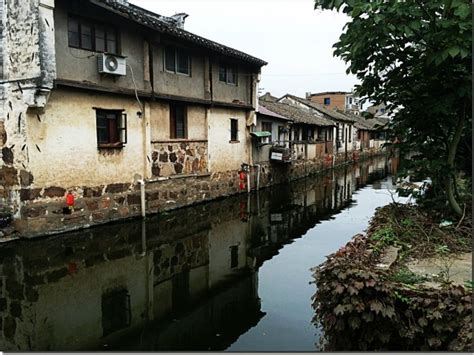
(416, 57)
(362, 307)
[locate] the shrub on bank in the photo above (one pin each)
(363, 307)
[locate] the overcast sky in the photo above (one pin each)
(290, 35)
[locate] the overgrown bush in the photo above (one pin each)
(361, 307)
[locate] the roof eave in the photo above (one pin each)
(244, 57)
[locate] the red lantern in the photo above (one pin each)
(243, 181)
(70, 200)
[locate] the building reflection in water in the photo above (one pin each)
(187, 280)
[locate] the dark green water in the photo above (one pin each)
(229, 275)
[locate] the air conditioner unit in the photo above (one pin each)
(112, 64)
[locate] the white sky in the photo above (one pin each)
(290, 35)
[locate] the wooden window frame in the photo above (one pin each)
(176, 51)
(267, 139)
(227, 69)
(173, 129)
(121, 127)
(108, 28)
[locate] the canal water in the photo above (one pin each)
(228, 275)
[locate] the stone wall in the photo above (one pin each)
(44, 210)
(175, 158)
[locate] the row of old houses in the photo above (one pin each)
(300, 131)
(110, 111)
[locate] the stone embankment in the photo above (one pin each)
(375, 293)
(44, 211)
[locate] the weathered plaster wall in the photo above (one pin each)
(160, 122)
(63, 145)
(193, 86)
(28, 70)
(22, 42)
(223, 154)
(81, 65)
(239, 93)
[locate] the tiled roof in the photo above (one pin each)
(167, 26)
(331, 113)
(362, 122)
(370, 124)
(264, 111)
(297, 114)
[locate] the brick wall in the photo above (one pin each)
(337, 100)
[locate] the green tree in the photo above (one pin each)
(416, 56)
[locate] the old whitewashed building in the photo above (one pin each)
(102, 100)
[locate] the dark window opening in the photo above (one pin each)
(234, 256)
(180, 291)
(92, 36)
(177, 61)
(228, 74)
(111, 128)
(178, 122)
(234, 130)
(116, 311)
(305, 134)
(327, 100)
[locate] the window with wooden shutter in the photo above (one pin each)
(111, 128)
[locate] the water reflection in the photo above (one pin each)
(187, 280)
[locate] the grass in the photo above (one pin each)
(405, 276)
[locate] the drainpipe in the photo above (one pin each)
(259, 169)
(249, 188)
(142, 197)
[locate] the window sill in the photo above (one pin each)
(226, 83)
(111, 146)
(234, 142)
(177, 73)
